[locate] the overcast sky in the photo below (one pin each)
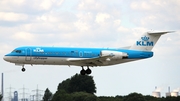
(92, 23)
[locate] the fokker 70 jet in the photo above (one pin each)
(85, 57)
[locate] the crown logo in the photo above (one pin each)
(145, 38)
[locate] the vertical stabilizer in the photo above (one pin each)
(147, 41)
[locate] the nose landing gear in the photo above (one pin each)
(23, 69)
(87, 71)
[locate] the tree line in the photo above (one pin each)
(82, 88)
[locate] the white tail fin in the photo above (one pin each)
(148, 41)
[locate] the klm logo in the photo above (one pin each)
(38, 50)
(145, 42)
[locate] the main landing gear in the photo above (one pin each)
(87, 71)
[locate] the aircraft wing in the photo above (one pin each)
(96, 61)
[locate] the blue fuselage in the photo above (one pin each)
(61, 55)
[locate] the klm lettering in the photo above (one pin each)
(144, 43)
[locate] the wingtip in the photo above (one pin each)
(171, 31)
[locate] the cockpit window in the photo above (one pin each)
(16, 51)
(13, 51)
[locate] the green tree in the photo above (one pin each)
(78, 83)
(69, 89)
(134, 97)
(109, 98)
(150, 98)
(47, 95)
(1, 97)
(83, 96)
(82, 83)
(62, 95)
(171, 98)
(64, 85)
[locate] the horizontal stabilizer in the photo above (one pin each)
(160, 33)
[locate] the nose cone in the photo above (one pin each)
(6, 58)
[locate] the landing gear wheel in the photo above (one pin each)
(83, 72)
(88, 71)
(23, 69)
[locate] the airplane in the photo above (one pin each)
(85, 57)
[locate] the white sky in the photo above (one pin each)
(92, 23)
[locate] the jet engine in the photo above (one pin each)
(114, 54)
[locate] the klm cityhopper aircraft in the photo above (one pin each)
(89, 57)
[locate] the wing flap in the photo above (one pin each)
(96, 61)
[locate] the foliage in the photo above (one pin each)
(105, 98)
(151, 98)
(62, 95)
(64, 85)
(83, 96)
(82, 88)
(78, 83)
(77, 88)
(1, 97)
(134, 97)
(47, 95)
(172, 99)
(82, 83)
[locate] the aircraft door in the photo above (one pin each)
(28, 54)
(80, 54)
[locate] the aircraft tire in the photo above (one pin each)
(23, 69)
(82, 72)
(88, 71)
